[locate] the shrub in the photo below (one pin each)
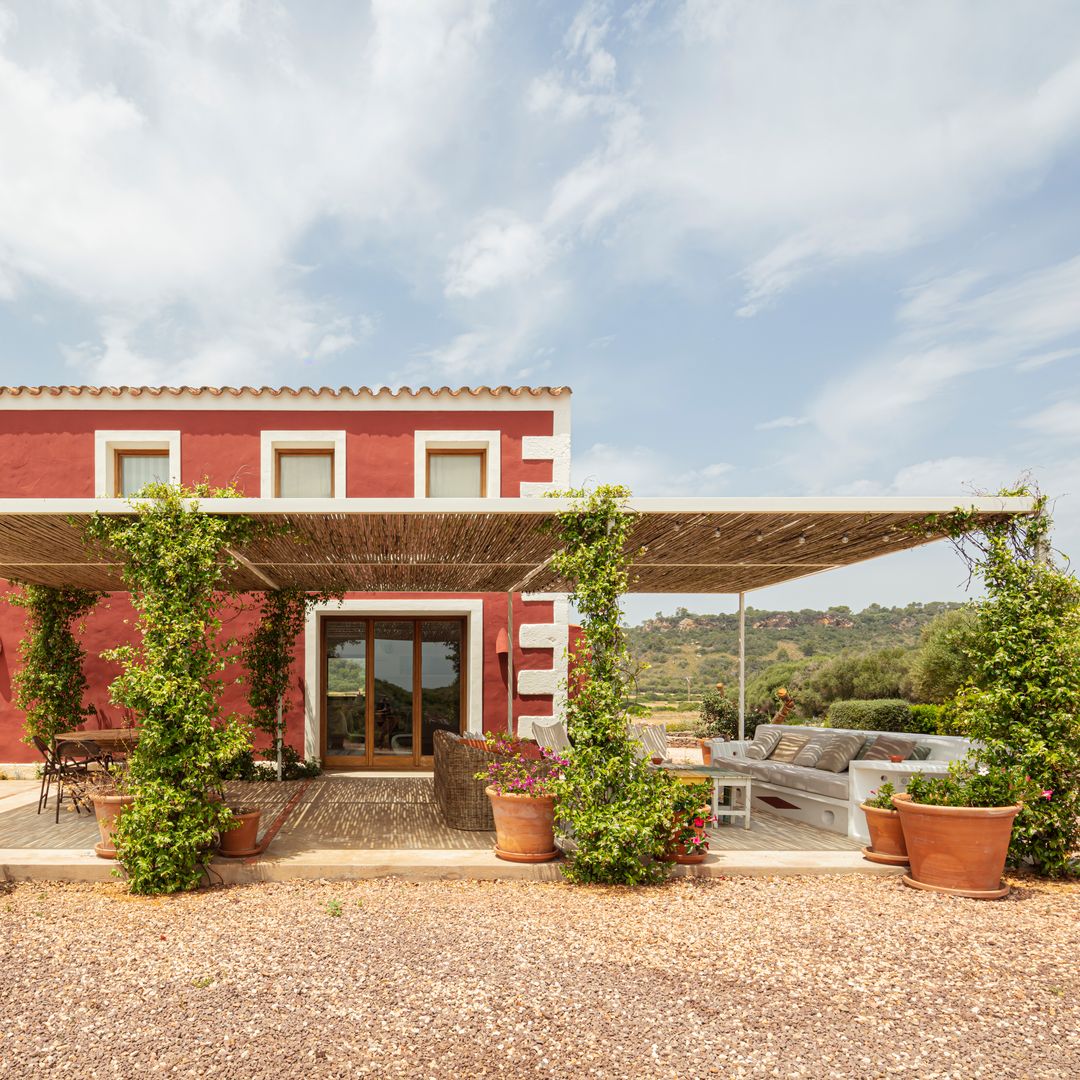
(718, 717)
(293, 767)
(1022, 705)
(881, 799)
(926, 719)
(965, 784)
(885, 714)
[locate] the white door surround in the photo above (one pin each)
(471, 610)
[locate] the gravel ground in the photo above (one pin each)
(821, 977)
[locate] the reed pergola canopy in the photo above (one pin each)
(501, 545)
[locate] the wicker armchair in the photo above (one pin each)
(460, 796)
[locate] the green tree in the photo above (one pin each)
(173, 561)
(947, 657)
(50, 685)
(615, 810)
(1023, 702)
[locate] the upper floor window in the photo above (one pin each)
(302, 464)
(304, 474)
(457, 464)
(134, 469)
(456, 474)
(126, 461)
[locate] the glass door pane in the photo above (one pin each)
(393, 688)
(346, 688)
(440, 679)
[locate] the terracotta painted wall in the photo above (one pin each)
(112, 623)
(50, 454)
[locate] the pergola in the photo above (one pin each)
(689, 545)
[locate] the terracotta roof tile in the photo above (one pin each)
(279, 391)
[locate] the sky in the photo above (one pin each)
(803, 248)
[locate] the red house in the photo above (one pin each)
(377, 674)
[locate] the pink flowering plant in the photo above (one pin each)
(521, 767)
(693, 816)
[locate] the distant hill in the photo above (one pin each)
(704, 648)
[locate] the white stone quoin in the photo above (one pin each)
(548, 682)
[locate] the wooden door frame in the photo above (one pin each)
(371, 760)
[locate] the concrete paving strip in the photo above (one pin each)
(24, 864)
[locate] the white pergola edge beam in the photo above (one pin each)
(989, 504)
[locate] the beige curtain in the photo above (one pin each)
(305, 476)
(455, 476)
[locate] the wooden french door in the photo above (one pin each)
(387, 685)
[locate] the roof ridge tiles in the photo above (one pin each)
(282, 391)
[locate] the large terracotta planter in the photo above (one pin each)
(957, 849)
(108, 810)
(886, 836)
(524, 826)
(242, 840)
(706, 751)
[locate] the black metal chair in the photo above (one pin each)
(66, 767)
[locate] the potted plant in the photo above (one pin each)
(108, 791)
(957, 828)
(520, 789)
(243, 838)
(886, 834)
(689, 842)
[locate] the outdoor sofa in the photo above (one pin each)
(823, 779)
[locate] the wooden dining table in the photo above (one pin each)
(120, 740)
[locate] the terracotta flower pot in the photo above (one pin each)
(685, 858)
(108, 810)
(242, 840)
(524, 826)
(886, 836)
(706, 751)
(957, 849)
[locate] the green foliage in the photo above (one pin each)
(293, 767)
(718, 716)
(692, 815)
(927, 719)
(947, 656)
(50, 685)
(1022, 705)
(520, 767)
(965, 784)
(333, 909)
(615, 808)
(268, 655)
(885, 715)
(173, 557)
(881, 799)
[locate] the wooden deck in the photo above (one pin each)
(372, 813)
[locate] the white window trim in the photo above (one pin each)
(272, 441)
(106, 443)
(489, 441)
(473, 612)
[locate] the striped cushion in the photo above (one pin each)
(765, 740)
(787, 749)
(843, 746)
(887, 745)
(809, 755)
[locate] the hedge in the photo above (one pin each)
(884, 714)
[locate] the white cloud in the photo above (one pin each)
(1060, 421)
(166, 167)
(502, 250)
(648, 472)
(780, 422)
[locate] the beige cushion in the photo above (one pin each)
(808, 756)
(765, 740)
(787, 749)
(887, 745)
(842, 748)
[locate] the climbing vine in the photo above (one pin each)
(173, 559)
(615, 810)
(268, 655)
(1022, 703)
(49, 687)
